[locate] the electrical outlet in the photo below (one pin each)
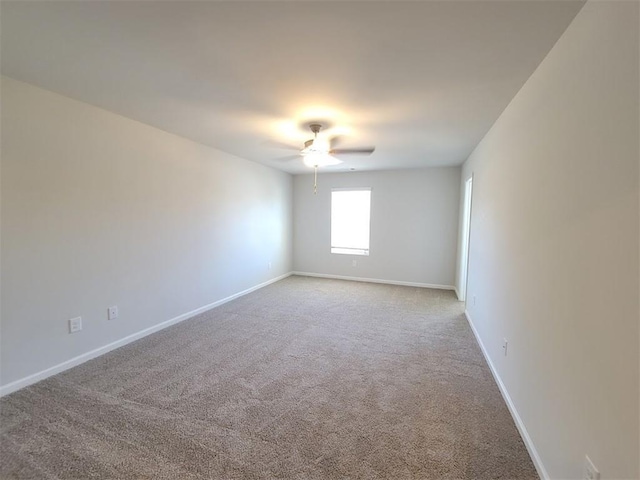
(269, 265)
(75, 325)
(354, 263)
(112, 312)
(505, 345)
(590, 470)
(474, 300)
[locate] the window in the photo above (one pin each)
(350, 214)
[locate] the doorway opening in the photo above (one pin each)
(466, 230)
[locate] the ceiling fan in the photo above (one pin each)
(319, 151)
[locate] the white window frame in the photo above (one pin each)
(349, 250)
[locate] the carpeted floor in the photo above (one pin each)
(304, 379)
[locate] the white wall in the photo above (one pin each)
(555, 251)
(100, 210)
(414, 225)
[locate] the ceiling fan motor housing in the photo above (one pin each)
(315, 127)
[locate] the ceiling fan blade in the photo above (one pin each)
(335, 141)
(357, 151)
(280, 145)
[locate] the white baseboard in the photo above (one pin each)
(66, 365)
(375, 280)
(537, 461)
(457, 293)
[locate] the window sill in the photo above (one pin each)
(350, 251)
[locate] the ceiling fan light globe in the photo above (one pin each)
(319, 160)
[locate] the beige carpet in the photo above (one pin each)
(304, 379)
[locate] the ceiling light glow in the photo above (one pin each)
(316, 159)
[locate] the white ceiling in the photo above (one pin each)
(422, 81)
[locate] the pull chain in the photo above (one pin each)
(315, 180)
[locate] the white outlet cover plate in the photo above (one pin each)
(112, 312)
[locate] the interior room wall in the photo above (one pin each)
(414, 226)
(555, 250)
(99, 210)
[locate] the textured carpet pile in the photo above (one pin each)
(304, 379)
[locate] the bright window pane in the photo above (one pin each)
(350, 215)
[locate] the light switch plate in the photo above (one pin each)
(75, 325)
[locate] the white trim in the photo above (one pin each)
(375, 280)
(61, 367)
(348, 189)
(533, 453)
(455, 289)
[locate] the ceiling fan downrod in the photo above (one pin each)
(315, 128)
